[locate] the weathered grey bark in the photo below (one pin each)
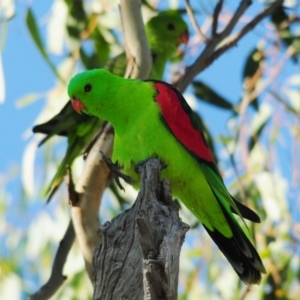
(139, 254)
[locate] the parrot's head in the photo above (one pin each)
(87, 90)
(167, 27)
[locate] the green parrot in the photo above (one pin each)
(152, 119)
(165, 32)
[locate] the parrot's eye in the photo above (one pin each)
(87, 87)
(171, 26)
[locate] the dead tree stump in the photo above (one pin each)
(139, 254)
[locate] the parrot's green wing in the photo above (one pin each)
(61, 124)
(215, 208)
(78, 129)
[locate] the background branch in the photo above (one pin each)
(216, 17)
(137, 48)
(194, 22)
(209, 54)
(247, 28)
(57, 278)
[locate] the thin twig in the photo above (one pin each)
(247, 28)
(237, 15)
(264, 85)
(216, 17)
(57, 278)
(73, 195)
(208, 55)
(194, 21)
(246, 292)
(204, 60)
(236, 172)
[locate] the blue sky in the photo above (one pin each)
(24, 72)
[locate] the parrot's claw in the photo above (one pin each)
(115, 170)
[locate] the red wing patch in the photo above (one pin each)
(179, 121)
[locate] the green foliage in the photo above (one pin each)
(207, 94)
(281, 20)
(252, 73)
(35, 34)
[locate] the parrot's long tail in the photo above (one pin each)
(239, 251)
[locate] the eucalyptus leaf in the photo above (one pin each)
(35, 34)
(280, 19)
(206, 94)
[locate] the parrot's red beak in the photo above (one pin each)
(78, 105)
(183, 39)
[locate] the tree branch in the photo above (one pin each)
(247, 28)
(194, 22)
(57, 278)
(139, 255)
(209, 54)
(137, 48)
(203, 60)
(216, 17)
(90, 187)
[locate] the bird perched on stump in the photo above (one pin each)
(152, 119)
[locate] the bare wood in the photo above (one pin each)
(137, 48)
(247, 28)
(57, 278)
(139, 254)
(203, 60)
(216, 17)
(194, 21)
(90, 187)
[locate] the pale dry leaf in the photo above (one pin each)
(56, 33)
(264, 113)
(7, 9)
(27, 170)
(272, 188)
(10, 286)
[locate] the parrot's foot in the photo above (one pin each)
(115, 170)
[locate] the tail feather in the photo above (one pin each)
(239, 251)
(246, 212)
